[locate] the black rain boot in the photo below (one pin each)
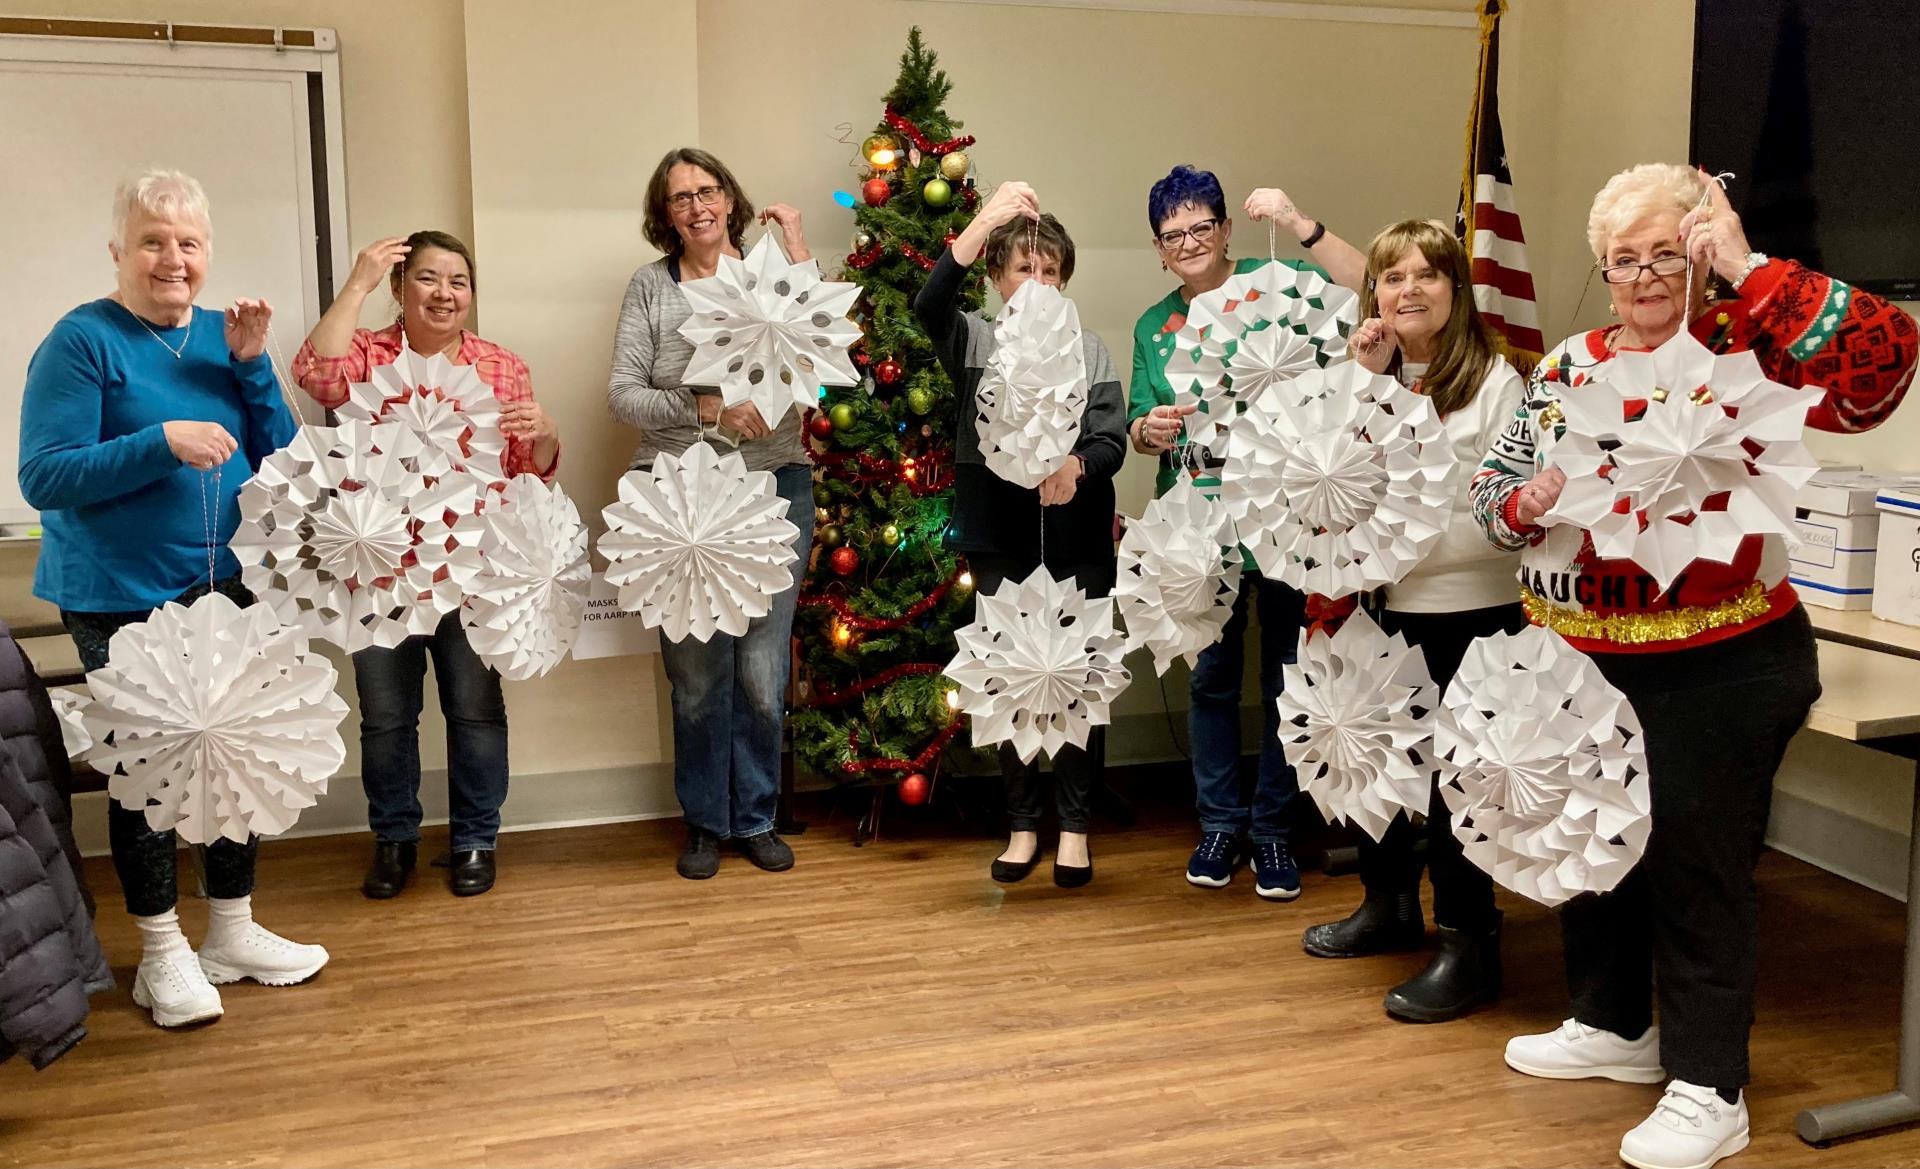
(1384, 923)
(1465, 974)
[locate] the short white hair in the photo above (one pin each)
(1637, 192)
(162, 194)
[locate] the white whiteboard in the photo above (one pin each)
(82, 116)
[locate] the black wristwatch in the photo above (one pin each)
(1319, 229)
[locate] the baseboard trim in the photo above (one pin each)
(1846, 846)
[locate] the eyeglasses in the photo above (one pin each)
(708, 196)
(1629, 272)
(1202, 233)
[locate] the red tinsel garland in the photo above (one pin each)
(919, 762)
(824, 696)
(861, 261)
(931, 478)
(913, 253)
(899, 122)
(845, 613)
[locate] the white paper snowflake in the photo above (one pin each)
(1339, 480)
(1543, 767)
(1040, 666)
(699, 544)
(215, 721)
(524, 608)
(1356, 722)
(769, 332)
(1259, 329)
(1179, 575)
(1034, 391)
(342, 538)
(432, 414)
(68, 704)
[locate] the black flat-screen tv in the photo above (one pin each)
(1815, 107)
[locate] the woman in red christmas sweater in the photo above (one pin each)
(1719, 667)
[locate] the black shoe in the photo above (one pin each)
(390, 871)
(1384, 923)
(766, 850)
(701, 858)
(472, 872)
(1014, 872)
(1463, 975)
(1072, 876)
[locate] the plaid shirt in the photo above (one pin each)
(325, 379)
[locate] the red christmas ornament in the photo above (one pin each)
(915, 789)
(969, 198)
(821, 427)
(844, 560)
(862, 359)
(952, 237)
(889, 372)
(876, 191)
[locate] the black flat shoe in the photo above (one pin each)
(700, 859)
(1014, 872)
(390, 871)
(472, 872)
(1072, 876)
(766, 850)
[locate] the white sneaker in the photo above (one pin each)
(262, 955)
(1691, 1128)
(172, 986)
(1575, 1051)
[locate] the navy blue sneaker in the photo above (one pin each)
(1275, 876)
(1214, 859)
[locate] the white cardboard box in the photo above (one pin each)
(1849, 492)
(1832, 566)
(1896, 576)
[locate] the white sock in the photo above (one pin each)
(160, 935)
(227, 918)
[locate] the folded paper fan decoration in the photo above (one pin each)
(1339, 480)
(215, 721)
(1034, 390)
(433, 414)
(1543, 767)
(1179, 574)
(699, 544)
(769, 332)
(1258, 329)
(1356, 722)
(1677, 455)
(1040, 666)
(67, 707)
(525, 605)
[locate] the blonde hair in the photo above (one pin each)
(1637, 192)
(1466, 346)
(162, 194)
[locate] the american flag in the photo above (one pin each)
(1487, 220)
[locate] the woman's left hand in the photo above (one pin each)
(1713, 236)
(247, 328)
(791, 236)
(1059, 487)
(526, 420)
(1273, 203)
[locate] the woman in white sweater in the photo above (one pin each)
(1422, 327)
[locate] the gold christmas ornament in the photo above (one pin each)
(954, 166)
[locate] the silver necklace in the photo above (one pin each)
(163, 341)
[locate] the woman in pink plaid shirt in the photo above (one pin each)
(431, 275)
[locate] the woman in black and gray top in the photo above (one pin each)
(997, 523)
(729, 693)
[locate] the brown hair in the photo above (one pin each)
(1046, 236)
(418, 242)
(657, 225)
(1466, 346)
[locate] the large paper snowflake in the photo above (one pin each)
(1543, 766)
(342, 538)
(1356, 722)
(215, 721)
(1259, 329)
(68, 705)
(699, 544)
(1678, 455)
(524, 607)
(1040, 666)
(769, 332)
(1034, 390)
(432, 414)
(1339, 480)
(1179, 574)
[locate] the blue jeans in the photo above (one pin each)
(730, 700)
(1213, 716)
(390, 683)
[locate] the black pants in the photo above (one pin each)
(1074, 770)
(1717, 722)
(1462, 891)
(147, 860)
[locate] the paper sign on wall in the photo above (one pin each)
(607, 630)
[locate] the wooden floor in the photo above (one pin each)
(889, 1005)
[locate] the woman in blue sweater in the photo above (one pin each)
(142, 417)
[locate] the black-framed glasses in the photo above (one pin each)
(1629, 272)
(1202, 233)
(708, 196)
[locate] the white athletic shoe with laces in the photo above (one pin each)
(1575, 1051)
(262, 955)
(173, 988)
(1691, 1128)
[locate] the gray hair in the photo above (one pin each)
(1639, 191)
(162, 194)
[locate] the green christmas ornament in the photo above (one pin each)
(821, 495)
(831, 535)
(890, 535)
(841, 416)
(919, 400)
(937, 193)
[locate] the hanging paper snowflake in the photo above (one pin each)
(1356, 722)
(343, 539)
(432, 414)
(1259, 329)
(1543, 766)
(1040, 666)
(1678, 455)
(67, 707)
(1179, 574)
(1339, 480)
(1034, 390)
(215, 721)
(525, 606)
(770, 332)
(699, 544)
